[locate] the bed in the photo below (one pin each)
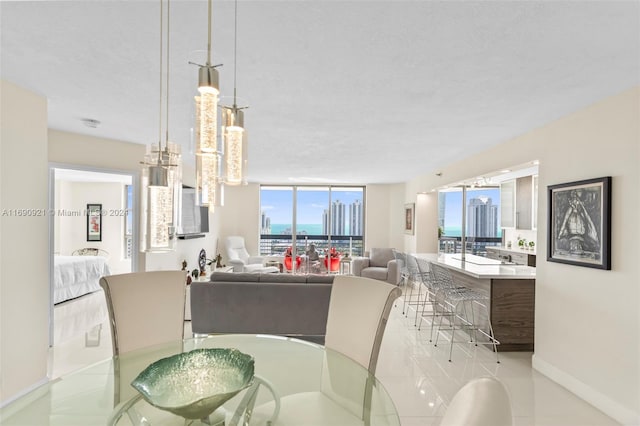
(74, 276)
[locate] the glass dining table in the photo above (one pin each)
(304, 384)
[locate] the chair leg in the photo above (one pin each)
(453, 329)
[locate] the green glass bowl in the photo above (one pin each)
(194, 384)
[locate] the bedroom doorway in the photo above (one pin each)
(92, 232)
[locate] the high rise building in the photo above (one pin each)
(355, 218)
(442, 207)
(338, 219)
(482, 218)
(265, 224)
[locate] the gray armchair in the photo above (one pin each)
(379, 264)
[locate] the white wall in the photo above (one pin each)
(587, 334)
(71, 231)
(378, 223)
(24, 243)
(240, 215)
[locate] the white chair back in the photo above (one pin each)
(145, 308)
(236, 248)
(483, 401)
(358, 311)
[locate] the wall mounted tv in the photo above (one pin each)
(195, 219)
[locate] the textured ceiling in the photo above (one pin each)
(339, 92)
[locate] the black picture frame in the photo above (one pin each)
(579, 223)
(94, 222)
(409, 218)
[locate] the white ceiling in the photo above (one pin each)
(339, 92)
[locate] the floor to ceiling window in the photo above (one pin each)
(323, 216)
(482, 224)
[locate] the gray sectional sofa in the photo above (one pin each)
(262, 303)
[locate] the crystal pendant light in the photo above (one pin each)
(208, 158)
(161, 177)
(233, 132)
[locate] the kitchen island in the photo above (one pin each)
(510, 289)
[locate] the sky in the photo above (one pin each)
(311, 203)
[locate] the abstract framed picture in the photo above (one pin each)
(94, 222)
(409, 216)
(579, 223)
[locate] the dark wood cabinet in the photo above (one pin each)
(511, 309)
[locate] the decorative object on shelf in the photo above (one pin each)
(332, 256)
(161, 174)
(409, 218)
(219, 261)
(202, 262)
(288, 259)
(208, 156)
(220, 374)
(233, 132)
(532, 245)
(94, 222)
(579, 223)
(312, 254)
(522, 243)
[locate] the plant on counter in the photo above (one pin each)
(522, 243)
(531, 245)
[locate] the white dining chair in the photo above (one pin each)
(358, 312)
(483, 401)
(145, 309)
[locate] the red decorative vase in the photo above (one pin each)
(335, 264)
(288, 262)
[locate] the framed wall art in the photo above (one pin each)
(409, 217)
(579, 223)
(94, 222)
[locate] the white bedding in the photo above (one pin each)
(74, 276)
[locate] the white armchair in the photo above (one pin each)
(239, 256)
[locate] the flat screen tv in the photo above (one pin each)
(195, 219)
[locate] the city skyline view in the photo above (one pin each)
(312, 209)
(451, 211)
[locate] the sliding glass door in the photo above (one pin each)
(300, 217)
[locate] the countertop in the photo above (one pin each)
(480, 267)
(512, 250)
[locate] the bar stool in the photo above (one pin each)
(456, 300)
(433, 291)
(413, 277)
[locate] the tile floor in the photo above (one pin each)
(416, 374)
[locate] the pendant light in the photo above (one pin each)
(208, 157)
(161, 176)
(233, 132)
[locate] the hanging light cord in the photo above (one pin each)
(160, 79)
(167, 105)
(209, 37)
(235, 51)
(208, 63)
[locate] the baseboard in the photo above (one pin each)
(35, 391)
(600, 401)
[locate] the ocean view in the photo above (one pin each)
(456, 231)
(309, 228)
